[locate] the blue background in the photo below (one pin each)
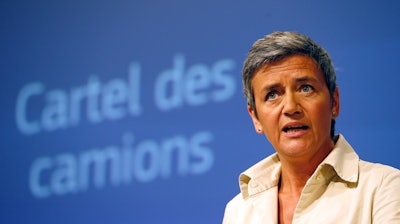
(62, 43)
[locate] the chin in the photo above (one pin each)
(294, 150)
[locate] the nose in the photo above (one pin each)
(291, 105)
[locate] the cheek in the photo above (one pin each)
(322, 116)
(269, 119)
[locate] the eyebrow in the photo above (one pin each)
(306, 79)
(297, 80)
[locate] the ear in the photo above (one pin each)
(336, 104)
(256, 122)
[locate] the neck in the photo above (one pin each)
(294, 178)
(296, 172)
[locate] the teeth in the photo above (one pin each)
(294, 128)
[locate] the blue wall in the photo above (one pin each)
(132, 112)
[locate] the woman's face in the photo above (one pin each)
(294, 107)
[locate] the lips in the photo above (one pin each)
(294, 127)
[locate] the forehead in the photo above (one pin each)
(290, 66)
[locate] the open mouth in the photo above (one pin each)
(294, 128)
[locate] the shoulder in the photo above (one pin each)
(258, 185)
(383, 176)
(235, 203)
(378, 170)
(236, 208)
(260, 177)
(350, 167)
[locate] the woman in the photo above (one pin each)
(315, 176)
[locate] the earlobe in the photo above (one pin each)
(256, 123)
(336, 103)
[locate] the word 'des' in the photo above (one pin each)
(195, 85)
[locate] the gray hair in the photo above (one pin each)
(277, 46)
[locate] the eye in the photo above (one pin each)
(271, 95)
(306, 88)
